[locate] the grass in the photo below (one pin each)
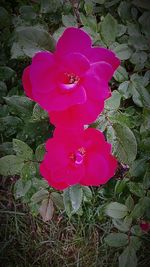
(27, 241)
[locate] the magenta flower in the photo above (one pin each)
(145, 226)
(71, 83)
(83, 157)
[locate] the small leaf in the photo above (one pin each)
(140, 94)
(121, 225)
(11, 165)
(116, 210)
(22, 149)
(113, 102)
(136, 230)
(142, 3)
(67, 202)
(69, 20)
(27, 13)
(128, 258)
(138, 211)
(87, 193)
(136, 188)
(117, 240)
(46, 210)
(123, 51)
(39, 196)
(76, 195)
(40, 152)
(109, 29)
(28, 170)
(20, 106)
(21, 188)
(39, 113)
(6, 73)
(146, 181)
(58, 200)
(4, 18)
(124, 144)
(121, 74)
(32, 39)
(135, 242)
(129, 203)
(125, 89)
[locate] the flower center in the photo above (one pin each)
(71, 78)
(78, 156)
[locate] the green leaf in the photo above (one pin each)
(16, 51)
(21, 188)
(3, 91)
(40, 152)
(40, 183)
(113, 102)
(32, 39)
(58, 200)
(121, 29)
(124, 144)
(28, 171)
(116, 210)
(6, 73)
(39, 113)
(22, 150)
(138, 211)
(46, 210)
(138, 168)
(136, 188)
(6, 148)
(27, 13)
(50, 6)
(129, 203)
(136, 230)
(121, 74)
(142, 3)
(146, 180)
(140, 94)
(116, 240)
(88, 6)
(121, 225)
(20, 106)
(10, 125)
(109, 29)
(67, 202)
(125, 89)
(124, 10)
(123, 51)
(40, 196)
(128, 258)
(139, 58)
(4, 18)
(76, 195)
(120, 186)
(87, 193)
(11, 165)
(135, 242)
(69, 20)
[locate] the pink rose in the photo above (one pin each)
(82, 157)
(71, 83)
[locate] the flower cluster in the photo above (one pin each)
(72, 85)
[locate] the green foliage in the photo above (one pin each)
(116, 210)
(128, 258)
(116, 240)
(118, 207)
